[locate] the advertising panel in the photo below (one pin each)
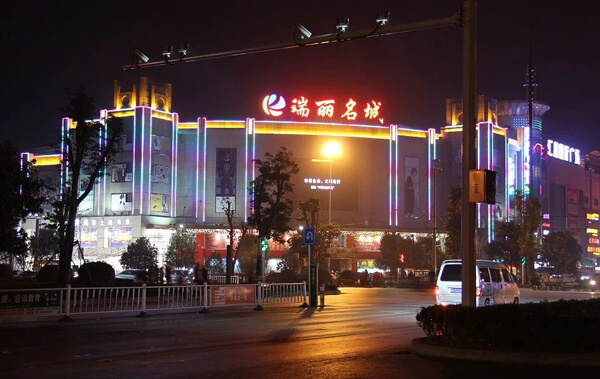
(572, 204)
(411, 187)
(26, 303)
(225, 183)
(159, 202)
(88, 203)
(120, 202)
(160, 174)
(89, 238)
(161, 145)
(121, 172)
(231, 295)
(119, 237)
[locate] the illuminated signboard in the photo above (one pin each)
(323, 109)
(322, 184)
(593, 216)
(563, 152)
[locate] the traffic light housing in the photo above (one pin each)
(523, 260)
(482, 186)
(264, 246)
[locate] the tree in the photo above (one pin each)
(390, 249)
(562, 251)
(506, 244)
(325, 236)
(88, 149)
(181, 251)
(21, 194)
(452, 223)
(236, 238)
(289, 261)
(140, 254)
(528, 217)
(271, 207)
(424, 257)
(44, 244)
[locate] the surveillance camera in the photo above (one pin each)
(342, 24)
(382, 18)
(304, 33)
(167, 52)
(183, 50)
(141, 57)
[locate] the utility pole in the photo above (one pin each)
(436, 167)
(469, 24)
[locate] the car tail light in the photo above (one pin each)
(437, 290)
(478, 292)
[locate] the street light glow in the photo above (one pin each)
(332, 149)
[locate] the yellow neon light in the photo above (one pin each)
(46, 160)
(187, 125)
(593, 216)
(325, 129)
(225, 125)
(128, 113)
(412, 133)
(498, 130)
(162, 115)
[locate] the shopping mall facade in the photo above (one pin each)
(171, 173)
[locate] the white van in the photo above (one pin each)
(496, 285)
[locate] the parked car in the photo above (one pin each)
(134, 275)
(181, 277)
(26, 275)
(495, 284)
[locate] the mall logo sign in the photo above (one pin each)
(563, 152)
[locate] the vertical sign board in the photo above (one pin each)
(308, 238)
(28, 303)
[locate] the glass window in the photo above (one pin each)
(495, 274)
(451, 273)
(508, 278)
(484, 275)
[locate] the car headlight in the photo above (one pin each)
(592, 282)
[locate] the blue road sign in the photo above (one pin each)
(309, 236)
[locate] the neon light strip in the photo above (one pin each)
(253, 152)
(105, 113)
(478, 167)
(490, 148)
(197, 164)
(133, 164)
(150, 164)
(204, 173)
(142, 163)
(506, 178)
(248, 131)
(173, 164)
(397, 143)
(390, 175)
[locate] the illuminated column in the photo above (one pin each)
(201, 169)
(174, 152)
(101, 197)
(393, 176)
(141, 158)
(249, 155)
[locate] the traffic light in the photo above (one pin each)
(264, 245)
(401, 258)
(523, 260)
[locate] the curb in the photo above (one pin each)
(420, 347)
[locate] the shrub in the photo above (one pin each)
(565, 326)
(347, 278)
(48, 273)
(96, 274)
(5, 271)
(378, 279)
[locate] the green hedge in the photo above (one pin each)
(561, 326)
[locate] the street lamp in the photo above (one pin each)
(330, 150)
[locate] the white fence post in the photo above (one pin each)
(143, 312)
(204, 298)
(259, 297)
(67, 316)
(304, 304)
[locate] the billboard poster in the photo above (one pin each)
(159, 202)
(160, 174)
(27, 303)
(89, 238)
(120, 202)
(225, 182)
(161, 145)
(411, 186)
(119, 237)
(121, 172)
(572, 204)
(221, 203)
(231, 295)
(88, 203)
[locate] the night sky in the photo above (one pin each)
(49, 46)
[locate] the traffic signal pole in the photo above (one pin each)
(469, 24)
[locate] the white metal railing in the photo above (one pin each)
(222, 279)
(99, 300)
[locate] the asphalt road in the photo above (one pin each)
(361, 333)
